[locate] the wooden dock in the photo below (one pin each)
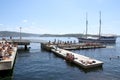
(20, 42)
(25, 42)
(82, 61)
(7, 64)
(72, 46)
(78, 46)
(7, 59)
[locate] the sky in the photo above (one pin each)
(60, 16)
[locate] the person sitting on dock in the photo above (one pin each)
(10, 50)
(1, 55)
(5, 51)
(69, 57)
(1, 45)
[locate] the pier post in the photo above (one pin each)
(25, 47)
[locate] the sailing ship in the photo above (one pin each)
(100, 38)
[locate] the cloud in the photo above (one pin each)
(1, 24)
(24, 21)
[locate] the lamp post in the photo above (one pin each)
(20, 33)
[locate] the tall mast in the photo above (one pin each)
(86, 24)
(100, 25)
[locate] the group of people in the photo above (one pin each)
(69, 57)
(6, 50)
(61, 42)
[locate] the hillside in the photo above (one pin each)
(16, 34)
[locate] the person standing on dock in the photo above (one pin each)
(1, 56)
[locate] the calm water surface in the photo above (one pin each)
(37, 64)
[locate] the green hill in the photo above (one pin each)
(16, 34)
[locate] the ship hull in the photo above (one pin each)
(109, 41)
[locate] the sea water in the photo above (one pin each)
(37, 64)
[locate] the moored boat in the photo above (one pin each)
(102, 39)
(111, 39)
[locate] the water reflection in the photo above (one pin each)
(39, 63)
